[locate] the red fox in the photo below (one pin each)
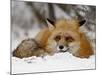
(60, 36)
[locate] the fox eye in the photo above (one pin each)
(57, 38)
(69, 39)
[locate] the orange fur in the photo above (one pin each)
(85, 47)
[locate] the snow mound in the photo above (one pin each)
(57, 62)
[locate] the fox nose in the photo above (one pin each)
(61, 47)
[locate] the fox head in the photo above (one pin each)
(65, 35)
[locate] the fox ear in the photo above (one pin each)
(82, 22)
(51, 24)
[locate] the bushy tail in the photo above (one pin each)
(25, 48)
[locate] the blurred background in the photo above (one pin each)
(28, 18)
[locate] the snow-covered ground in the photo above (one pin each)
(57, 62)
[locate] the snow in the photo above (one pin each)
(57, 62)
